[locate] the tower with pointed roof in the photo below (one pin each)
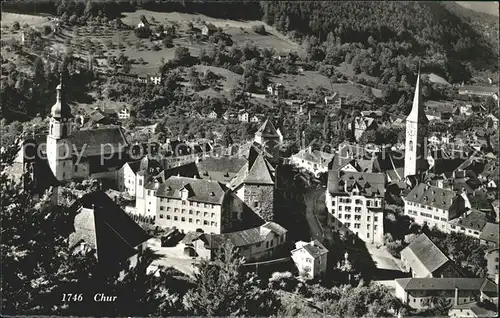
(59, 145)
(268, 137)
(255, 184)
(416, 133)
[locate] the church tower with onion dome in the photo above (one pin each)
(59, 144)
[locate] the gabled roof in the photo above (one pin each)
(314, 248)
(433, 196)
(105, 227)
(200, 190)
(438, 284)
(478, 310)
(98, 141)
(245, 237)
(423, 256)
(474, 220)
(221, 169)
(368, 184)
(490, 233)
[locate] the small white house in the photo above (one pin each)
(155, 79)
(243, 116)
(256, 118)
(124, 113)
(213, 115)
(310, 258)
(276, 90)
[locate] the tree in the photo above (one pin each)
(249, 84)
(263, 81)
(222, 289)
(160, 28)
(38, 71)
(35, 260)
(182, 54)
(47, 29)
(260, 29)
(369, 136)
(16, 26)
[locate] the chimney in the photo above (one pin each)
(194, 177)
(456, 296)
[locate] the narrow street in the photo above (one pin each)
(314, 201)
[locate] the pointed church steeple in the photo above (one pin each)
(416, 134)
(417, 113)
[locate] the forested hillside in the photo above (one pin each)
(390, 29)
(485, 24)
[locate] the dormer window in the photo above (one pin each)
(184, 194)
(212, 194)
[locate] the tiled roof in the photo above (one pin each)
(200, 190)
(99, 141)
(476, 309)
(267, 130)
(256, 171)
(474, 220)
(259, 172)
(432, 196)
(368, 184)
(423, 256)
(472, 284)
(314, 248)
(318, 157)
(245, 237)
(149, 166)
(274, 227)
(490, 233)
(221, 169)
(96, 116)
(486, 89)
(106, 228)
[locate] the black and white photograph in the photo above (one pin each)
(189, 158)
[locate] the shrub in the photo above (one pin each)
(155, 47)
(260, 29)
(16, 26)
(47, 29)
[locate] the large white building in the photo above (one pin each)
(355, 202)
(416, 132)
(190, 204)
(434, 206)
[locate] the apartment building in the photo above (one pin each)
(355, 202)
(434, 206)
(190, 204)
